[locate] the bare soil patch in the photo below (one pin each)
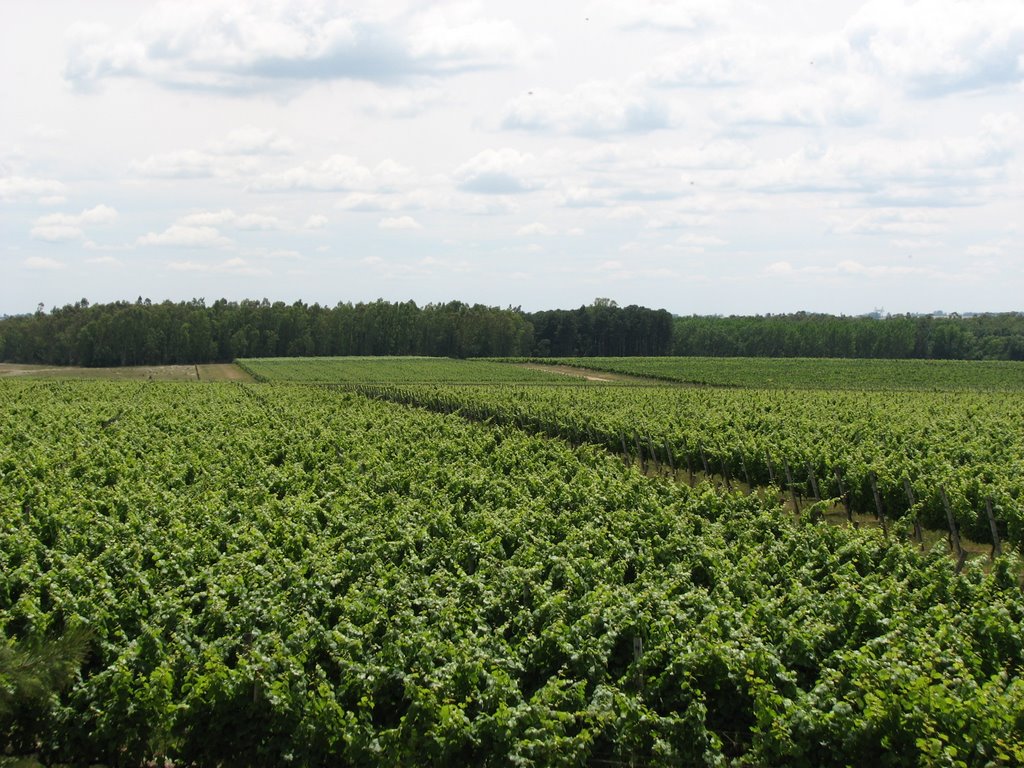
(223, 372)
(588, 374)
(134, 372)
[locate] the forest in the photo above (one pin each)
(148, 333)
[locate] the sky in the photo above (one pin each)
(702, 156)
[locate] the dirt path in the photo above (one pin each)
(588, 374)
(212, 372)
(16, 369)
(222, 372)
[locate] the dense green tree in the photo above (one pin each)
(144, 333)
(991, 337)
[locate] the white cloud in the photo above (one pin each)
(186, 236)
(636, 269)
(42, 263)
(916, 243)
(713, 155)
(49, 133)
(240, 153)
(492, 205)
(845, 101)
(336, 173)
(402, 103)
(47, 191)
(679, 220)
(590, 109)
(583, 197)
(667, 15)
(791, 137)
(720, 61)
(880, 165)
(268, 44)
(56, 233)
(233, 266)
(283, 253)
(534, 228)
(936, 47)
(893, 221)
(628, 212)
(63, 227)
(251, 140)
(984, 251)
(700, 241)
(497, 171)
(368, 201)
(208, 218)
(399, 222)
(257, 221)
(850, 268)
(446, 44)
(272, 254)
(190, 164)
(248, 221)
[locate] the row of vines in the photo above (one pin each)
(813, 373)
(407, 370)
(921, 451)
(274, 575)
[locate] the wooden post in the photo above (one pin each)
(792, 486)
(650, 446)
(704, 461)
(746, 475)
(997, 548)
(954, 535)
(843, 493)
(625, 452)
(768, 463)
(639, 450)
(878, 502)
(725, 474)
(814, 482)
(918, 534)
(671, 460)
(689, 466)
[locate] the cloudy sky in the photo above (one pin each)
(704, 156)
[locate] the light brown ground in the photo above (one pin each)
(222, 372)
(214, 372)
(586, 373)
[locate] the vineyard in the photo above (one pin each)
(407, 370)
(813, 373)
(396, 564)
(899, 455)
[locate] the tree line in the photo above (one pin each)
(947, 337)
(148, 333)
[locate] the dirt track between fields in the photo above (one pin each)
(588, 374)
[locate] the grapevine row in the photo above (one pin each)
(278, 575)
(893, 453)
